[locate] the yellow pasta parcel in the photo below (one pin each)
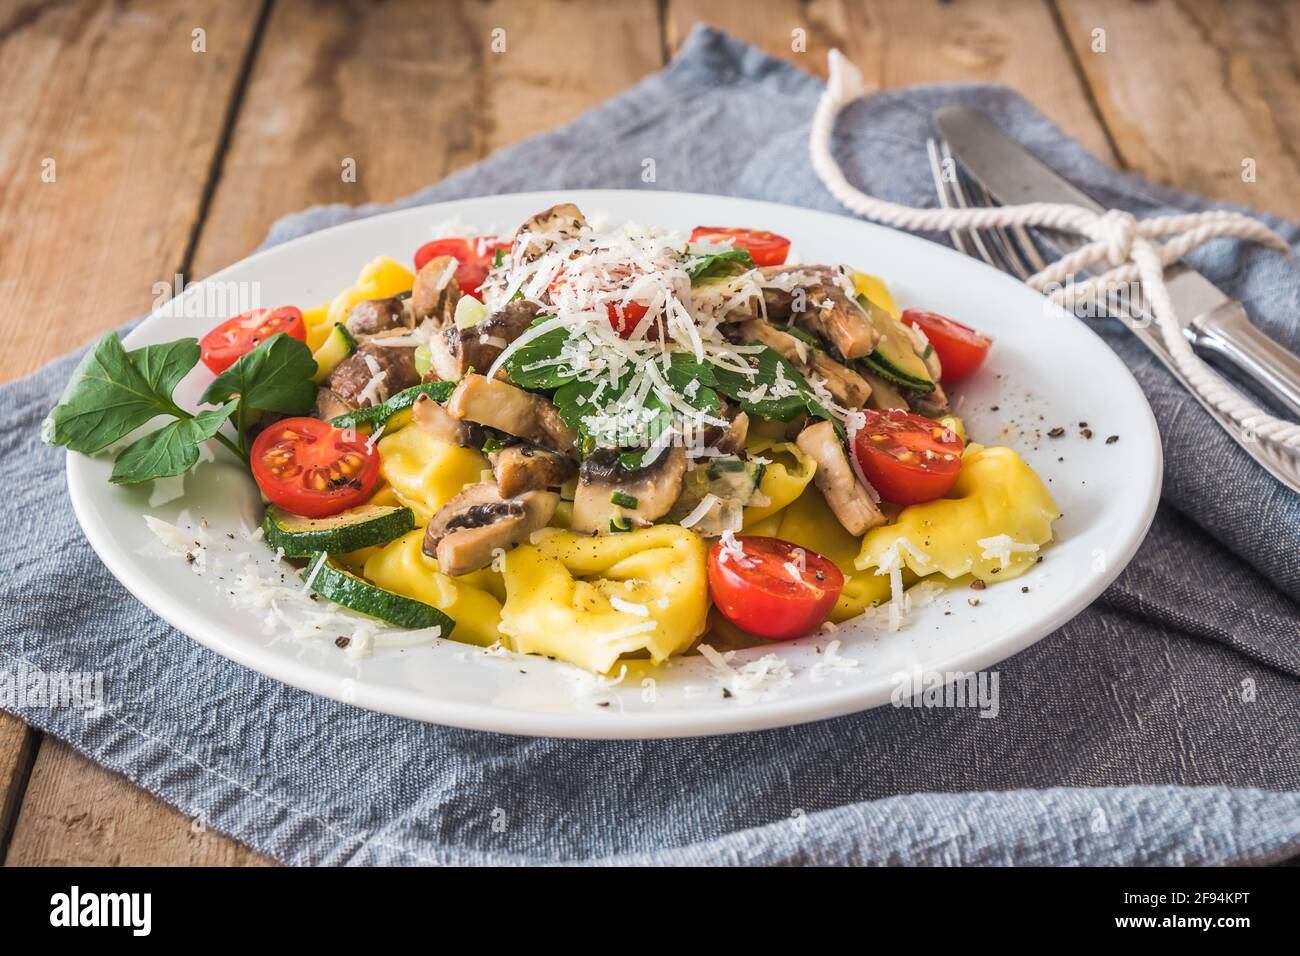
(990, 525)
(424, 472)
(402, 566)
(589, 600)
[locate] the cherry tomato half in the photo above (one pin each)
(313, 469)
(776, 589)
(961, 349)
(624, 317)
(472, 265)
(224, 345)
(766, 248)
(907, 458)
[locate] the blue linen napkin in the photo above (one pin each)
(1159, 726)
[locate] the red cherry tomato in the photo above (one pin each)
(223, 346)
(766, 248)
(472, 265)
(624, 317)
(907, 458)
(313, 469)
(961, 349)
(776, 589)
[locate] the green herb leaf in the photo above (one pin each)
(112, 392)
(274, 377)
(730, 262)
(171, 450)
(765, 363)
(544, 348)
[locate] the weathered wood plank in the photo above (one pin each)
(906, 42)
(409, 92)
(17, 751)
(76, 813)
(1193, 89)
(111, 103)
(112, 124)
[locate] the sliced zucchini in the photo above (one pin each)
(338, 345)
(884, 393)
(336, 583)
(734, 481)
(894, 358)
(376, 415)
(355, 528)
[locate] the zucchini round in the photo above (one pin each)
(334, 582)
(375, 415)
(350, 530)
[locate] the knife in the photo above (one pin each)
(1212, 322)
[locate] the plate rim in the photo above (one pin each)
(411, 704)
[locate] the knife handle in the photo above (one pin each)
(1227, 332)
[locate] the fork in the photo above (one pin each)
(1015, 252)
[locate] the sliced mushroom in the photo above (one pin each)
(852, 504)
(521, 468)
(393, 367)
(453, 352)
(470, 529)
(374, 316)
(506, 408)
(839, 320)
(436, 291)
(781, 282)
(539, 233)
(603, 483)
(730, 439)
(845, 385)
(930, 404)
(784, 344)
(433, 418)
(329, 405)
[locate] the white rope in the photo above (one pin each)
(1126, 244)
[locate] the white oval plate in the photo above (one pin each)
(1047, 369)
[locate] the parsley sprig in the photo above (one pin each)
(113, 392)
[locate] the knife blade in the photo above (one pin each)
(1212, 321)
(1012, 175)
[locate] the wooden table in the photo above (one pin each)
(168, 158)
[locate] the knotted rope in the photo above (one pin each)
(1126, 244)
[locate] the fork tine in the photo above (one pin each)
(999, 237)
(946, 199)
(990, 255)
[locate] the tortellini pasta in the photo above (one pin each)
(381, 278)
(471, 600)
(784, 479)
(423, 472)
(997, 496)
(589, 600)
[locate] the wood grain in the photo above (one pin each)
(17, 751)
(78, 814)
(905, 42)
(1193, 88)
(410, 91)
(131, 118)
